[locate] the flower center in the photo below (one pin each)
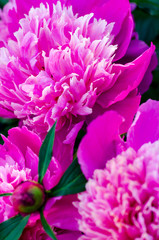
(28, 197)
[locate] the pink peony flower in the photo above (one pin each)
(59, 65)
(18, 164)
(122, 200)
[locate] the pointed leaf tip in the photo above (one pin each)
(45, 153)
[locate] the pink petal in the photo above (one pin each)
(135, 49)
(123, 107)
(120, 14)
(101, 143)
(145, 127)
(69, 236)
(22, 135)
(68, 218)
(130, 75)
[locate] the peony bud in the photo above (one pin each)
(28, 197)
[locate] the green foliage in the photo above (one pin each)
(5, 194)
(151, 6)
(146, 25)
(13, 227)
(73, 181)
(3, 2)
(45, 154)
(46, 226)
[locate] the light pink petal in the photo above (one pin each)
(120, 14)
(145, 127)
(121, 199)
(101, 143)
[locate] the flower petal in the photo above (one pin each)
(145, 127)
(130, 76)
(101, 143)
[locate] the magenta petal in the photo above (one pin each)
(120, 14)
(147, 79)
(11, 149)
(123, 107)
(103, 9)
(24, 7)
(145, 127)
(69, 235)
(6, 113)
(123, 38)
(63, 152)
(65, 139)
(130, 76)
(64, 215)
(135, 49)
(23, 138)
(101, 142)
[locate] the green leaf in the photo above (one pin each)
(3, 2)
(151, 6)
(73, 181)
(46, 226)
(45, 154)
(146, 25)
(5, 194)
(13, 227)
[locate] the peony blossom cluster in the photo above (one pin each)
(60, 62)
(18, 164)
(77, 64)
(122, 200)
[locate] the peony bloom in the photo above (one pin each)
(19, 167)
(64, 62)
(122, 200)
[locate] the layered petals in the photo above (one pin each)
(19, 168)
(121, 199)
(61, 62)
